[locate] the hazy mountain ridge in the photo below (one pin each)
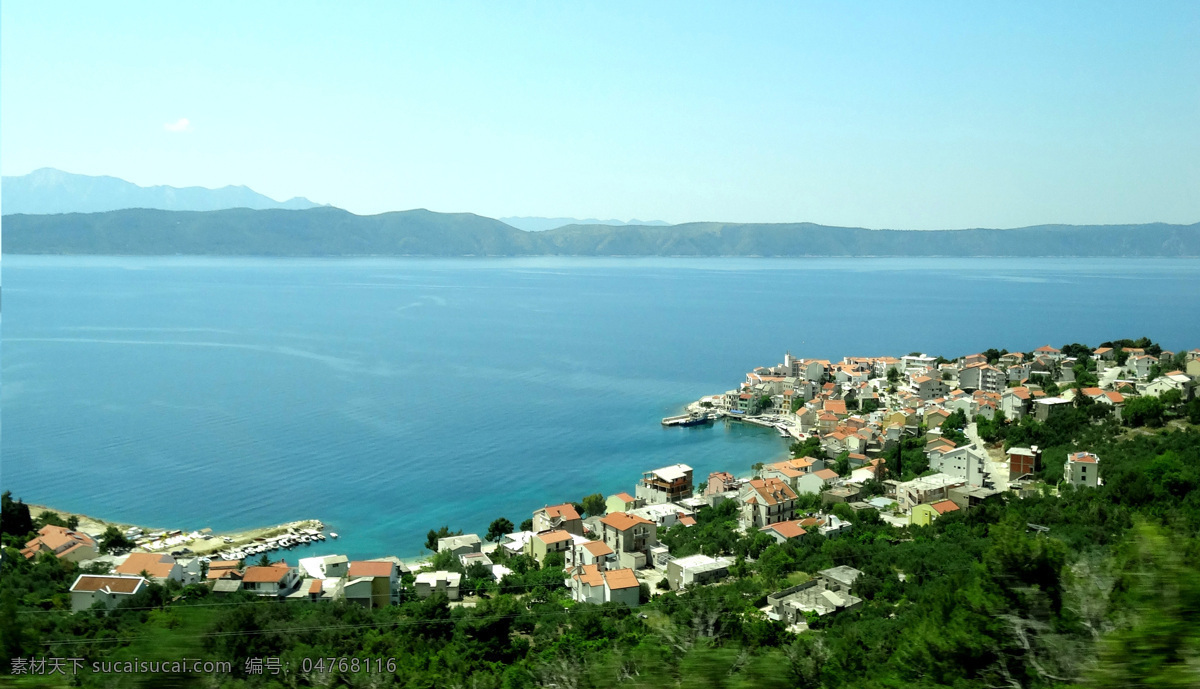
(539, 224)
(334, 232)
(53, 191)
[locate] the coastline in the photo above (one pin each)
(203, 541)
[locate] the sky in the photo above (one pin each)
(876, 114)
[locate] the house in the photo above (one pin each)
(1140, 364)
(1023, 461)
(63, 543)
(467, 543)
(965, 462)
(589, 584)
(1175, 380)
(925, 514)
(981, 376)
(667, 484)
(930, 488)
(935, 417)
(277, 580)
(108, 589)
(766, 501)
(371, 583)
(696, 570)
(224, 569)
(468, 559)
(561, 516)
(621, 502)
(630, 538)
(546, 542)
(664, 515)
(844, 494)
(596, 553)
(928, 387)
(815, 481)
(445, 583)
(159, 567)
(828, 525)
(784, 531)
(968, 497)
(1050, 406)
(1016, 402)
(828, 593)
(720, 482)
(1082, 470)
(790, 470)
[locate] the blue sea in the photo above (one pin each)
(390, 396)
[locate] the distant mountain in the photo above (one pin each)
(53, 191)
(534, 224)
(335, 232)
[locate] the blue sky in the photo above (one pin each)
(902, 115)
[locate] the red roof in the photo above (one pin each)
(262, 575)
(788, 529)
(556, 536)
(362, 568)
(563, 511)
(944, 506)
(622, 521)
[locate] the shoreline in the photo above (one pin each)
(201, 542)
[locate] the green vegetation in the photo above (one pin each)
(594, 505)
(1108, 597)
(1104, 593)
(497, 530)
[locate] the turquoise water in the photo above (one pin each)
(390, 396)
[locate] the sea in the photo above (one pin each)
(388, 397)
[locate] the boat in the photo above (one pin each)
(333, 535)
(686, 420)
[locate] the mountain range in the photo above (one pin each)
(535, 224)
(53, 191)
(331, 231)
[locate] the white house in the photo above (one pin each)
(429, 583)
(1082, 470)
(89, 589)
(966, 462)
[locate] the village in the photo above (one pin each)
(844, 418)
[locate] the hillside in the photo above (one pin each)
(53, 191)
(333, 232)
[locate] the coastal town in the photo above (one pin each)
(905, 438)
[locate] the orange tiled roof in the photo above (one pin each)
(622, 521)
(363, 568)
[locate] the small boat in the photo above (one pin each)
(333, 536)
(320, 537)
(686, 420)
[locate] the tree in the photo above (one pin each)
(14, 519)
(498, 529)
(893, 375)
(594, 505)
(114, 541)
(808, 448)
(841, 465)
(527, 525)
(1144, 411)
(869, 405)
(431, 538)
(759, 404)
